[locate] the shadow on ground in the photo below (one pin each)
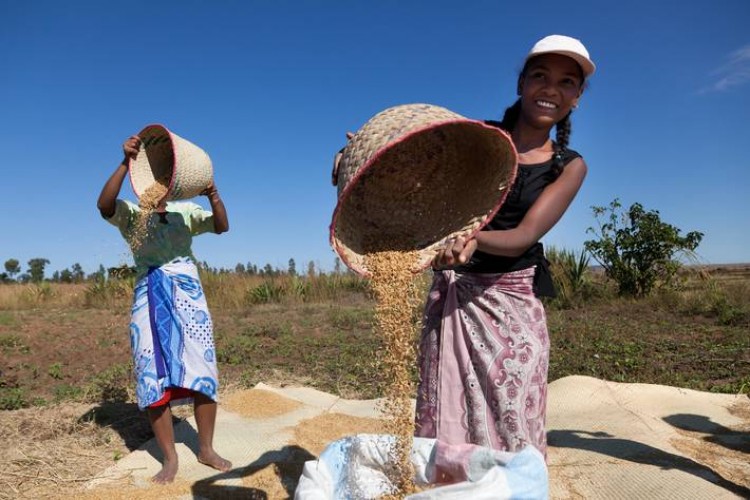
(124, 418)
(287, 463)
(723, 436)
(633, 451)
(133, 427)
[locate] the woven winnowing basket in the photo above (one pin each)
(179, 163)
(414, 176)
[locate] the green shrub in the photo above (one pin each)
(265, 293)
(112, 385)
(13, 398)
(55, 371)
(729, 303)
(110, 293)
(66, 392)
(36, 294)
(637, 249)
(12, 342)
(570, 273)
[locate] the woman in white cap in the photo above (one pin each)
(171, 333)
(485, 347)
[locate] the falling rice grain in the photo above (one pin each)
(147, 202)
(393, 284)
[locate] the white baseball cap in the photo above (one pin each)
(566, 46)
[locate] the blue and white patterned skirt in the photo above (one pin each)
(171, 333)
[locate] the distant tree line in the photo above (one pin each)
(36, 267)
(636, 249)
(270, 271)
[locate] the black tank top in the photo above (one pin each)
(529, 184)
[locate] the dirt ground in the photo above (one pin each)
(57, 350)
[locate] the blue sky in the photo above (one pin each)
(268, 89)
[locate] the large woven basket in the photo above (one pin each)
(176, 162)
(414, 176)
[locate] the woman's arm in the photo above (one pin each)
(221, 222)
(111, 189)
(541, 217)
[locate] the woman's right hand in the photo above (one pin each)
(131, 146)
(456, 252)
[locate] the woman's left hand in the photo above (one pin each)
(210, 189)
(456, 252)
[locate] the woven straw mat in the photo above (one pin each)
(164, 155)
(412, 177)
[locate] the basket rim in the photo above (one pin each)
(174, 158)
(337, 244)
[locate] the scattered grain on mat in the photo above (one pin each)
(258, 403)
(314, 434)
(266, 483)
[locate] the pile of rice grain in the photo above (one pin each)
(148, 202)
(394, 286)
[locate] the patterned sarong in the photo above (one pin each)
(171, 333)
(483, 361)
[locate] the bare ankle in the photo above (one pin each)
(168, 471)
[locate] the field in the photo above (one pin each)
(66, 403)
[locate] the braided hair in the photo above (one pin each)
(562, 138)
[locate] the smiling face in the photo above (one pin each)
(549, 86)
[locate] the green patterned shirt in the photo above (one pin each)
(169, 235)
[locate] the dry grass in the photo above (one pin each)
(17, 296)
(53, 451)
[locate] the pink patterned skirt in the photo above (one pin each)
(483, 362)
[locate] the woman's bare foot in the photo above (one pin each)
(167, 473)
(212, 459)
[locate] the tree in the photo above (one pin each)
(99, 275)
(337, 266)
(64, 276)
(292, 270)
(637, 249)
(36, 269)
(76, 273)
(12, 267)
(239, 268)
(311, 269)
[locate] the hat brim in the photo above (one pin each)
(587, 66)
